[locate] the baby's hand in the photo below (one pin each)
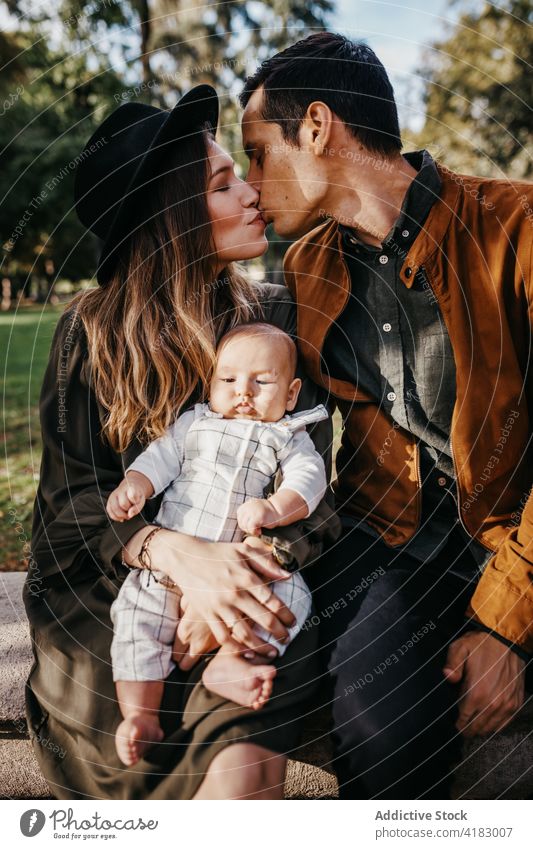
(128, 499)
(255, 514)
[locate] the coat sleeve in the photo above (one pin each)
(71, 531)
(301, 543)
(503, 599)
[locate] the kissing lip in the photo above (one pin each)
(257, 218)
(244, 408)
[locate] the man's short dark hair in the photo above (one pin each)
(346, 75)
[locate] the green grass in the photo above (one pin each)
(25, 339)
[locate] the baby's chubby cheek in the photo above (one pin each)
(274, 410)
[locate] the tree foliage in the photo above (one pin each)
(70, 64)
(478, 94)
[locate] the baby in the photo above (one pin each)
(213, 465)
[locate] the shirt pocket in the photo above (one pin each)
(439, 389)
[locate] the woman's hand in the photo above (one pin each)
(196, 639)
(186, 655)
(225, 585)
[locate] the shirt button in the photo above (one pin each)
(383, 259)
(387, 327)
(405, 233)
(391, 396)
(441, 481)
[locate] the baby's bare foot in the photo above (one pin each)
(135, 735)
(234, 678)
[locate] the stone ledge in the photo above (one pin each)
(500, 766)
(20, 777)
(16, 655)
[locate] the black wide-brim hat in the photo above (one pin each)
(121, 159)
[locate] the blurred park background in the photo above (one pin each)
(462, 77)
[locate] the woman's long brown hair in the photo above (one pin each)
(152, 330)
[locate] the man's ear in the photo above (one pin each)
(318, 123)
(294, 391)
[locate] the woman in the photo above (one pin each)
(125, 359)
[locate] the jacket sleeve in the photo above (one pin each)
(71, 531)
(503, 599)
(301, 543)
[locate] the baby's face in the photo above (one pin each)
(252, 379)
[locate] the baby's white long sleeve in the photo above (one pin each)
(303, 470)
(161, 461)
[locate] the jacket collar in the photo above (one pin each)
(437, 181)
(435, 226)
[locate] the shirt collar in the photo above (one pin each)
(211, 413)
(419, 198)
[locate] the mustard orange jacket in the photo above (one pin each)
(476, 252)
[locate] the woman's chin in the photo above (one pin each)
(248, 251)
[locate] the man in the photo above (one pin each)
(414, 293)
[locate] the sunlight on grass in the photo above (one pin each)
(25, 339)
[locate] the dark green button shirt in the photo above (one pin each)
(392, 341)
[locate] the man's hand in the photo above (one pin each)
(492, 682)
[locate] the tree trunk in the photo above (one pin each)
(146, 30)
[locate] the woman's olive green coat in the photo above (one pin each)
(74, 575)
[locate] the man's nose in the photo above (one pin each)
(250, 195)
(253, 178)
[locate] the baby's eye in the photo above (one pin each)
(227, 379)
(223, 189)
(264, 382)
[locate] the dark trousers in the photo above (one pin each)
(386, 621)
